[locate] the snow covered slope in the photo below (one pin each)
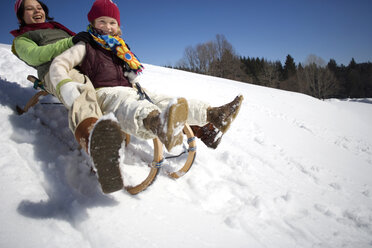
(292, 171)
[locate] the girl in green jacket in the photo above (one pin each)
(37, 42)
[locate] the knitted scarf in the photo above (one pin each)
(118, 47)
(36, 26)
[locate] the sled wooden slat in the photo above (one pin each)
(127, 139)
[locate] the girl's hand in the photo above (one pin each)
(84, 37)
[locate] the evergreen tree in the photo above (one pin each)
(289, 68)
(339, 84)
(279, 69)
(332, 65)
(352, 64)
(300, 67)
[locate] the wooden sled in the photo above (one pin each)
(157, 154)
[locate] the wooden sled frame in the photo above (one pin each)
(158, 148)
(158, 161)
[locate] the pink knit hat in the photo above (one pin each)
(104, 8)
(17, 5)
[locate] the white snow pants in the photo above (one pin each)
(130, 111)
(85, 106)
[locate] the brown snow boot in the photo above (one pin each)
(222, 117)
(83, 130)
(208, 134)
(106, 138)
(169, 127)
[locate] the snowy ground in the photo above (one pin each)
(292, 171)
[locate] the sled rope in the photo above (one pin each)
(190, 149)
(191, 154)
(158, 164)
(37, 82)
(189, 141)
(142, 93)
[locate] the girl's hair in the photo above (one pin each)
(21, 10)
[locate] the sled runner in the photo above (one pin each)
(158, 154)
(158, 161)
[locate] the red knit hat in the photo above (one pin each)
(17, 4)
(104, 8)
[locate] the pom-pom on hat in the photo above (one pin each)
(104, 8)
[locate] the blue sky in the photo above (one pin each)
(158, 31)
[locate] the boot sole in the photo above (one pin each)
(177, 116)
(105, 144)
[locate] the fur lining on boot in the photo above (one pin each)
(222, 117)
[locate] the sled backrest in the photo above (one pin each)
(35, 99)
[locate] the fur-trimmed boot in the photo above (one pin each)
(219, 120)
(168, 127)
(208, 134)
(102, 140)
(222, 117)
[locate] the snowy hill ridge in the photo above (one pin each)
(292, 171)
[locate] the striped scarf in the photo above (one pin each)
(118, 47)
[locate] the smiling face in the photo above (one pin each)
(33, 12)
(106, 25)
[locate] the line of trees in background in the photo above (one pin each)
(315, 77)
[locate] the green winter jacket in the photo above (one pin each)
(39, 47)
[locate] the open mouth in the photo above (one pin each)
(102, 32)
(38, 17)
